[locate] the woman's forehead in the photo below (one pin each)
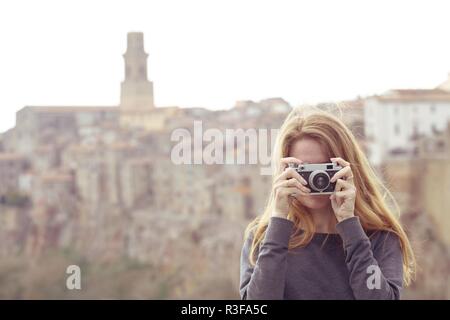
(309, 150)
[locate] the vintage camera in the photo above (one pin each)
(318, 176)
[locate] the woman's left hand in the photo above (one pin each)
(343, 199)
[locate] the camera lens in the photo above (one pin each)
(319, 180)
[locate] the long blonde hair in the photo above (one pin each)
(374, 205)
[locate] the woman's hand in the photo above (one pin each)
(343, 199)
(288, 183)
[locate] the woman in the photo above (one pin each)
(347, 245)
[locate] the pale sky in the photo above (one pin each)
(212, 53)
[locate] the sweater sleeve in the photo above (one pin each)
(376, 269)
(266, 280)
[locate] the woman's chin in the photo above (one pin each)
(315, 202)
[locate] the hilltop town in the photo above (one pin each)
(96, 184)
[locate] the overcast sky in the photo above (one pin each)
(212, 53)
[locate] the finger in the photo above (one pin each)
(291, 173)
(338, 186)
(285, 161)
(340, 161)
(345, 172)
(339, 198)
(291, 191)
(343, 185)
(342, 195)
(291, 159)
(333, 200)
(291, 183)
(337, 201)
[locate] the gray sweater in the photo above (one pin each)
(345, 265)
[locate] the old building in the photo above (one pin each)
(137, 108)
(394, 119)
(36, 126)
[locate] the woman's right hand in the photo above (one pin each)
(288, 183)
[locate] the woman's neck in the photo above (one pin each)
(324, 219)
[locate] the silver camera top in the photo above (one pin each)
(315, 166)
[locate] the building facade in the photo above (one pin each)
(394, 120)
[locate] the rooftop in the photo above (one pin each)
(408, 95)
(70, 109)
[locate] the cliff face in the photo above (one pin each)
(111, 201)
(433, 259)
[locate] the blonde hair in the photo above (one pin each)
(372, 196)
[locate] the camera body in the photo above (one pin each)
(318, 176)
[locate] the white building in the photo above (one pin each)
(394, 119)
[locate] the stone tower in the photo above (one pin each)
(136, 90)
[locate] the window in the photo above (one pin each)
(434, 129)
(415, 129)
